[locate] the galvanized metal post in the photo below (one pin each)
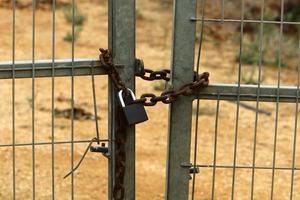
(122, 44)
(180, 112)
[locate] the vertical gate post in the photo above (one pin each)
(121, 30)
(180, 112)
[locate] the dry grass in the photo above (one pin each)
(153, 46)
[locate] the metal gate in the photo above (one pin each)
(185, 167)
(41, 174)
(219, 162)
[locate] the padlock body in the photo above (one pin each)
(135, 113)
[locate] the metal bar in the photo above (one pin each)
(111, 108)
(95, 105)
(72, 98)
(180, 112)
(295, 129)
(203, 4)
(33, 97)
(246, 167)
(50, 143)
(14, 101)
(53, 101)
(238, 100)
(261, 36)
(245, 21)
(43, 68)
(215, 150)
(277, 99)
(122, 44)
(222, 11)
(287, 94)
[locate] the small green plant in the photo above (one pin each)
(293, 13)
(251, 76)
(272, 41)
(79, 18)
(78, 21)
(69, 36)
(250, 54)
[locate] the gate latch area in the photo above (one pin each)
(192, 168)
(100, 149)
(134, 113)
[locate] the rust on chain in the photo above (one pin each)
(150, 99)
(147, 99)
(107, 63)
(151, 75)
(170, 96)
(120, 155)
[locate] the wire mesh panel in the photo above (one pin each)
(52, 108)
(242, 149)
(244, 139)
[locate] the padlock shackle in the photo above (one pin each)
(120, 94)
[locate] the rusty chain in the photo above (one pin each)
(151, 75)
(120, 159)
(107, 63)
(118, 190)
(150, 99)
(147, 99)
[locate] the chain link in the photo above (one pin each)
(151, 75)
(150, 99)
(120, 159)
(170, 96)
(147, 99)
(120, 155)
(107, 63)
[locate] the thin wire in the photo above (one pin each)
(52, 100)
(14, 100)
(222, 10)
(72, 99)
(95, 104)
(215, 149)
(277, 99)
(82, 157)
(50, 143)
(33, 98)
(261, 36)
(296, 127)
(203, 3)
(238, 101)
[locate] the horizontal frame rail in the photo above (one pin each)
(49, 143)
(43, 68)
(267, 93)
(247, 167)
(246, 21)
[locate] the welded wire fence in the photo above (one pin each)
(244, 139)
(248, 149)
(37, 148)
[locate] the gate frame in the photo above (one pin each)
(121, 41)
(180, 112)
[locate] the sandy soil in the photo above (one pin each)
(153, 46)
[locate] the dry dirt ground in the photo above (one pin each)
(153, 46)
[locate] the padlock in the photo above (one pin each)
(134, 113)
